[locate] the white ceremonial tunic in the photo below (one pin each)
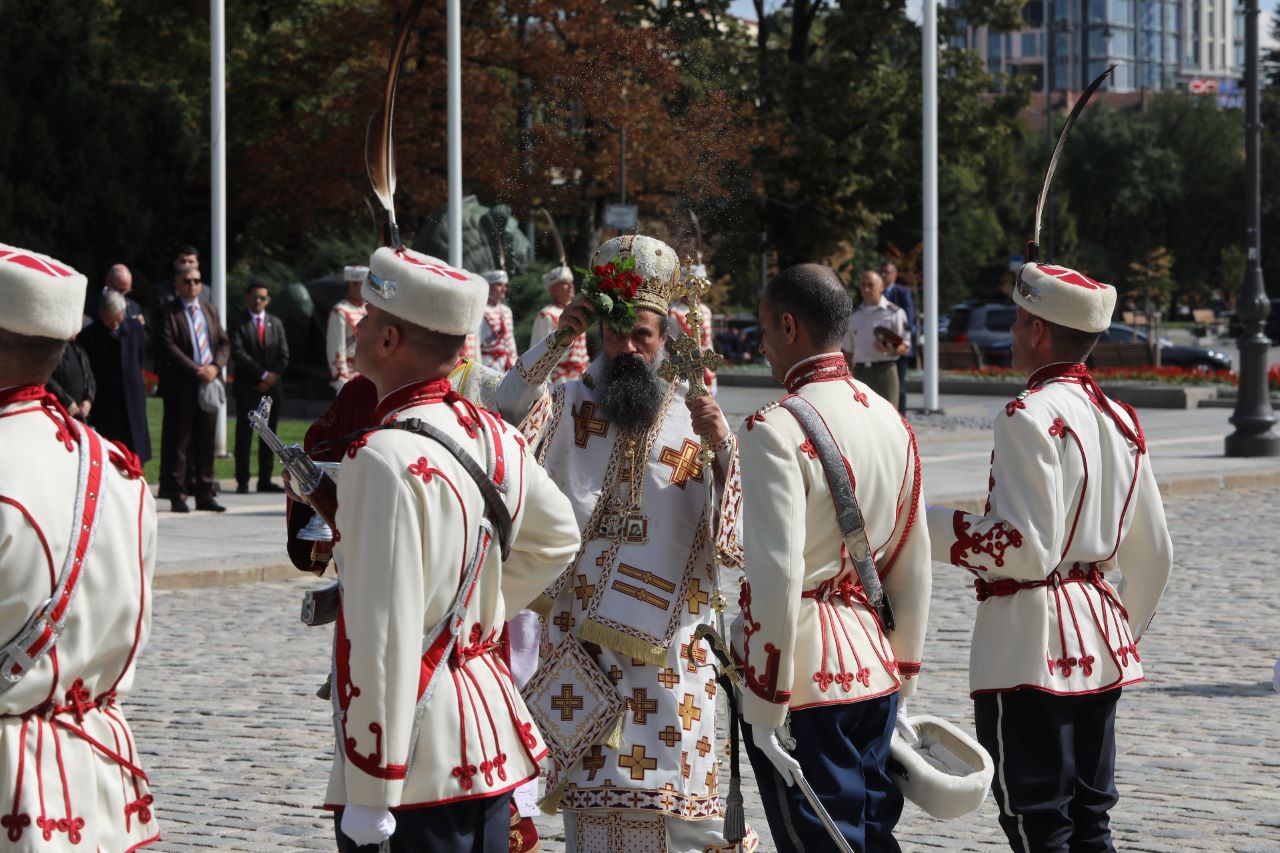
(72, 774)
(407, 518)
(679, 314)
(806, 636)
(573, 360)
(633, 596)
(1072, 552)
(498, 338)
(340, 341)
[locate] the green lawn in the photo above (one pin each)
(290, 430)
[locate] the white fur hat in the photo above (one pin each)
(496, 276)
(354, 272)
(1065, 297)
(555, 274)
(656, 263)
(947, 773)
(425, 291)
(39, 296)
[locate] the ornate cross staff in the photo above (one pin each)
(688, 359)
(691, 362)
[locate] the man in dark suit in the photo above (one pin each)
(116, 346)
(260, 353)
(194, 349)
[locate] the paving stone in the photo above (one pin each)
(238, 746)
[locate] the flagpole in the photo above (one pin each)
(930, 135)
(454, 58)
(218, 188)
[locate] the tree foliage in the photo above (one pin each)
(796, 139)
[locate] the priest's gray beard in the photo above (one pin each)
(632, 391)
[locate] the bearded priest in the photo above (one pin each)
(622, 695)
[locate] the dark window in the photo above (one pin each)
(1000, 319)
(1033, 14)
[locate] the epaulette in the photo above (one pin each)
(1017, 402)
(760, 414)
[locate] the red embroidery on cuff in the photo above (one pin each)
(994, 543)
(765, 686)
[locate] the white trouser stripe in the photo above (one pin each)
(1004, 785)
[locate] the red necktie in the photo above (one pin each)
(262, 332)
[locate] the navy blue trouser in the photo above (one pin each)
(481, 825)
(1055, 759)
(902, 384)
(843, 751)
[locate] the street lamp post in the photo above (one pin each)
(1253, 417)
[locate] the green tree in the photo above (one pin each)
(1172, 176)
(1150, 285)
(98, 162)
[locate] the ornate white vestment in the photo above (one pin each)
(632, 597)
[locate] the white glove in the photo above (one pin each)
(903, 726)
(367, 825)
(768, 741)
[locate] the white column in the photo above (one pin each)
(454, 52)
(218, 187)
(930, 282)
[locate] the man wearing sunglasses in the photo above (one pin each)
(193, 351)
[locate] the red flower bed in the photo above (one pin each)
(1156, 375)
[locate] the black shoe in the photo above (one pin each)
(178, 505)
(210, 505)
(270, 487)
(243, 489)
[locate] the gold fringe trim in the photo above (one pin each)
(613, 739)
(611, 638)
(542, 605)
(550, 803)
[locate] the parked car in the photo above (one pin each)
(1272, 328)
(1171, 354)
(985, 324)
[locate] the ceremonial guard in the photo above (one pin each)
(836, 595)
(443, 523)
(77, 550)
(1070, 555)
(622, 693)
(573, 361)
(679, 314)
(497, 330)
(344, 319)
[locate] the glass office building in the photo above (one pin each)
(1156, 44)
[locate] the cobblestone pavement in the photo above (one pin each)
(238, 746)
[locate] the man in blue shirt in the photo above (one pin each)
(899, 295)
